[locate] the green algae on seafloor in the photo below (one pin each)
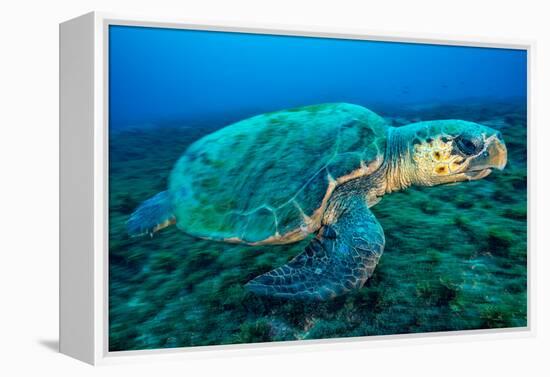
(455, 257)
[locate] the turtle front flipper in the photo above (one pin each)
(340, 258)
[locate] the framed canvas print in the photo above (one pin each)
(223, 185)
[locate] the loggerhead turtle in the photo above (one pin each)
(276, 178)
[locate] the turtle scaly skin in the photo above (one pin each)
(278, 177)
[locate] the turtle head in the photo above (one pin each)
(444, 151)
(448, 151)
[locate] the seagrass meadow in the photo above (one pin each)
(455, 255)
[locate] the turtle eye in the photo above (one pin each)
(466, 146)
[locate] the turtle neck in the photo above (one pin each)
(398, 167)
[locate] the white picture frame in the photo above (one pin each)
(84, 189)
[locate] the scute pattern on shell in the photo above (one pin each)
(263, 179)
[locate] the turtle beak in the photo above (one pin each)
(495, 155)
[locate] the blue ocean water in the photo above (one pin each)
(202, 77)
(455, 256)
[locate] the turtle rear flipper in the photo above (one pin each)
(340, 258)
(151, 216)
